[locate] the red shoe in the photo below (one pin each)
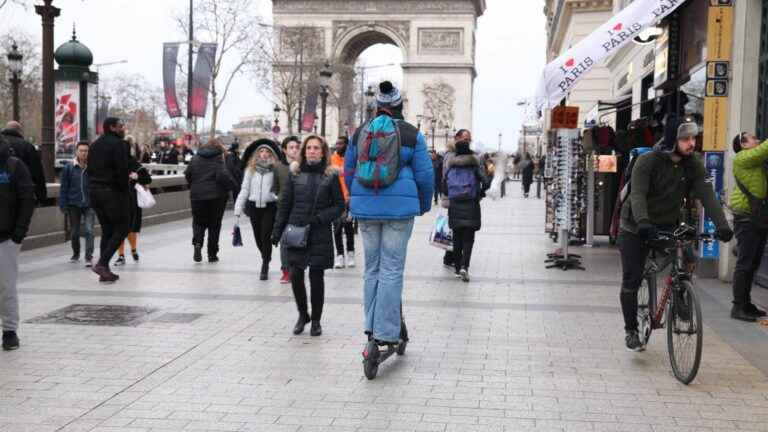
(286, 277)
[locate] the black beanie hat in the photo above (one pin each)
(737, 142)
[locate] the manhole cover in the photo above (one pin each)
(96, 315)
(177, 318)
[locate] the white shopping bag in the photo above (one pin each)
(144, 197)
(441, 235)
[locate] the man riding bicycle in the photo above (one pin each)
(661, 180)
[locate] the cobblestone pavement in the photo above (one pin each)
(519, 348)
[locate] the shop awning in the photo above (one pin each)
(564, 72)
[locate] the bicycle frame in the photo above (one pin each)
(677, 272)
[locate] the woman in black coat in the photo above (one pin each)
(312, 197)
(464, 216)
(527, 174)
(140, 176)
(209, 187)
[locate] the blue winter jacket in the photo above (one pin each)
(411, 193)
(74, 187)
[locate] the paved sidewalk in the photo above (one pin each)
(519, 348)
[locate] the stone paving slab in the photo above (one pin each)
(520, 348)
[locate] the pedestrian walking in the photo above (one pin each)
(390, 179)
(17, 193)
(170, 154)
(139, 176)
(527, 173)
(234, 167)
(311, 201)
(461, 135)
(108, 179)
(27, 153)
(209, 186)
(437, 167)
(74, 202)
(344, 226)
(750, 221)
(263, 177)
(291, 147)
(465, 185)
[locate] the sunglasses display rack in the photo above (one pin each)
(565, 197)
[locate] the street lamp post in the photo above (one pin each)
(325, 82)
(419, 118)
(434, 125)
(48, 14)
(369, 95)
(15, 65)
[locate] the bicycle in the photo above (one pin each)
(678, 307)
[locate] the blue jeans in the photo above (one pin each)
(385, 243)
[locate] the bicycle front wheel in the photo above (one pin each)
(685, 332)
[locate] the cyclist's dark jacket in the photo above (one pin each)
(659, 186)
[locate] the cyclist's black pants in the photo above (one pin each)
(633, 255)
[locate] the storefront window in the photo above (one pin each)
(762, 93)
(694, 89)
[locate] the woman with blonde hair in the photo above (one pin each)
(311, 201)
(263, 178)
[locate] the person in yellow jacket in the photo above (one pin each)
(750, 173)
(344, 224)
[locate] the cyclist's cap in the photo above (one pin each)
(687, 129)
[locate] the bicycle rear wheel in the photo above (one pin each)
(685, 332)
(646, 298)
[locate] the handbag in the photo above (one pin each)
(297, 236)
(144, 198)
(758, 208)
(441, 236)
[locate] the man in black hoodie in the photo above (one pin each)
(24, 150)
(18, 204)
(108, 179)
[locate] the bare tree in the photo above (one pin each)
(21, 3)
(138, 103)
(235, 28)
(30, 91)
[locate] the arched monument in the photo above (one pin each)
(436, 37)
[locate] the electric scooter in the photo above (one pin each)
(373, 356)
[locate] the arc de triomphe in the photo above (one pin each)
(436, 37)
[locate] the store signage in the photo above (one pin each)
(715, 123)
(720, 33)
(717, 88)
(565, 117)
(714, 162)
(561, 75)
(717, 69)
(667, 68)
(716, 104)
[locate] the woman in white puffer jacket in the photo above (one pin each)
(259, 193)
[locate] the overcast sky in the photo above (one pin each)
(510, 54)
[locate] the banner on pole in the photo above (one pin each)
(201, 79)
(562, 74)
(170, 57)
(310, 108)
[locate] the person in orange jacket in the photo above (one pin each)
(344, 223)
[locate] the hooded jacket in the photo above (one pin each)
(17, 193)
(28, 154)
(108, 161)
(207, 175)
(312, 197)
(749, 170)
(411, 193)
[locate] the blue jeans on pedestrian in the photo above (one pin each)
(385, 243)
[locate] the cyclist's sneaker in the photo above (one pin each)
(753, 310)
(633, 341)
(682, 306)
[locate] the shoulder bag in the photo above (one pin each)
(758, 208)
(297, 236)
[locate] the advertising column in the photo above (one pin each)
(719, 42)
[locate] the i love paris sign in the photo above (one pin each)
(562, 74)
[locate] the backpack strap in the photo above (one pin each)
(751, 198)
(408, 133)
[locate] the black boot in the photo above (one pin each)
(198, 256)
(738, 312)
(264, 271)
(315, 329)
(299, 327)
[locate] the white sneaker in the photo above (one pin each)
(339, 263)
(351, 259)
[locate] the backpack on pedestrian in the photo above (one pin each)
(378, 156)
(633, 156)
(461, 183)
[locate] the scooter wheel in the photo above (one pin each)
(370, 368)
(401, 347)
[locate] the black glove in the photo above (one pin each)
(647, 231)
(724, 234)
(275, 240)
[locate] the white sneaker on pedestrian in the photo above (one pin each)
(351, 259)
(339, 263)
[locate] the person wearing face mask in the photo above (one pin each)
(291, 147)
(108, 180)
(312, 198)
(263, 176)
(661, 180)
(751, 233)
(344, 227)
(450, 153)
